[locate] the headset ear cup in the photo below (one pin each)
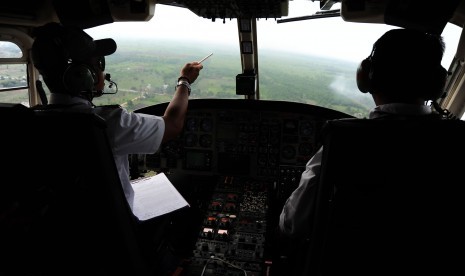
(364, 82)
(78, 78)
(442, 79)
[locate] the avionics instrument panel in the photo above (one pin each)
(249, 156)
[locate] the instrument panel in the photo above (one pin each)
(241, 137)
(249, 156)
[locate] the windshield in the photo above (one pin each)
(308, 61)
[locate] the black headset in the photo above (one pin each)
(365, 75)
(79, 78)
(366, 78)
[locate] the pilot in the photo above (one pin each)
(404, 75)
(72, 66)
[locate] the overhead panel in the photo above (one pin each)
(413, 14)
(26, 12)
(224, 9)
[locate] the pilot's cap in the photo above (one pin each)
(408, 46)
(55, 46)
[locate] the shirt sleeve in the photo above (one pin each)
(134, 133)
(297, 214)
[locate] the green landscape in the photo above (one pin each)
(146, 73)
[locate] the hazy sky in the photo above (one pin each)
(329, 36)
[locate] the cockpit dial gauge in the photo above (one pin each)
(288, 152)
(206, 140)
(305, 149)
(191, 124)
(190, 140)
(206, 124)
(306, 128)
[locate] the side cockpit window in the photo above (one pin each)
(14, 83)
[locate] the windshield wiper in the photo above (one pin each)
(318, 14)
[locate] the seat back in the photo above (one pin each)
(390, 199)
(63, 210)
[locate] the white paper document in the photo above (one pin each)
(155, 196)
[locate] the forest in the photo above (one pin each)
(146, 73)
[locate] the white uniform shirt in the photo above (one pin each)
(297, 214)
(128, 133)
